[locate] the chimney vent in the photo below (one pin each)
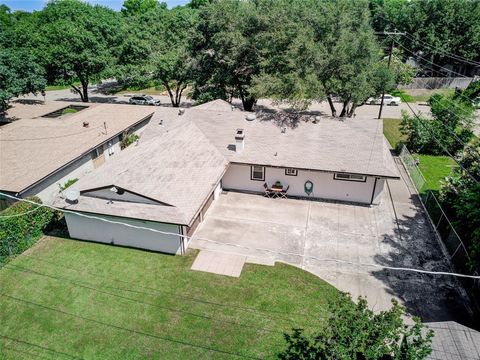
(239, 140)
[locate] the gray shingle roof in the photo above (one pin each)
(33, 148)
(180, 169)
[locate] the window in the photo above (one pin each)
(350, 177)
(291, 172)
(257, 173)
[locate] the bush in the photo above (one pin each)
(128, 139)
(18, 233)
(353, 331)
(69, 183)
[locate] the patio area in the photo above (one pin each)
(330, 239)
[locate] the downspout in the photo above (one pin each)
(373, 192)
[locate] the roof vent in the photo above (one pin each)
(284, 130)
(239, 140)
(250, 117)
(317, 119)
(181, 111)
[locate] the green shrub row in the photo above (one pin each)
(19, 232)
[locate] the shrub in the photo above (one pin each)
(19, 232)
(128, 139)
(69, 183)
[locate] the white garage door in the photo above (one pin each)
(96, 230)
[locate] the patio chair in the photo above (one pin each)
(267, 191)
(283, 194)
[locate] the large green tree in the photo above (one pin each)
(20, 74)
(156, 50)
(225, 49)
(434, 28)
(460, 197)
(446, 132)
(354, 332)
(76, 42)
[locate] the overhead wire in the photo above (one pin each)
(361, 264)
(128, 330)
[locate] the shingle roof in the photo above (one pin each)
(33, 147)
(355, 145)
(180, 169)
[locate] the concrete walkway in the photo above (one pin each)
(219, 263)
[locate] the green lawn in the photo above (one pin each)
(435, 168)
(66, 298)
(391, 130)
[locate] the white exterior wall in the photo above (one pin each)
(237, 177)
(48, 189)
(100, 231)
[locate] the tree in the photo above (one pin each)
(76, 42)
(5, 16)
(136, 7)
(352, 331)
(156, 50)
(225, 50)
(434, 28)
(460, 197)
(20, 74)
(448, 130)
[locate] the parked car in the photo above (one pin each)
(143, 100)
(387, 100)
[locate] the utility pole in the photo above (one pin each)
(389, 62)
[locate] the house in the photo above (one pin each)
(184, 159)
(51, 143)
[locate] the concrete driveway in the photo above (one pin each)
(297, 232)
(310, 234)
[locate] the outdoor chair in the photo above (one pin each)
(267, 191)
(283, 194)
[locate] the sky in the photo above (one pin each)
(30, 5)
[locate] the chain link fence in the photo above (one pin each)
(450, 238)
(444, 228)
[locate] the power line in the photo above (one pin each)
(128, 330)
(258, 249)
(453, 56)
(442, 146)
(40, 347)
(92, 288)
(53, 137)
(441, 67)
(16, 215)
(268, 313)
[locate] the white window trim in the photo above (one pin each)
(291, 172)
(349, 177)
(252, 168)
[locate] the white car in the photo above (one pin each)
(387, 100)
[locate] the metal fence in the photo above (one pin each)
(444, 228)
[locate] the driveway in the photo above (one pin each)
(311, 234)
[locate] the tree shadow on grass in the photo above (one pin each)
(413, 244)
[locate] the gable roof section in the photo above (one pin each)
(179, 169)
(215, 105)
(33, 148)
(355, 145)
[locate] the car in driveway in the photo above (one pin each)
(143, 100)
(387, 100)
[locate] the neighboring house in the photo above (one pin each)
(49, 144)
(185, 159)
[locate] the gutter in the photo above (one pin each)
(79, 157)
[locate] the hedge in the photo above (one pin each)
(18, 233)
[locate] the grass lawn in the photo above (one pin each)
(391, 130)
(68, 299)
(435, 168)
